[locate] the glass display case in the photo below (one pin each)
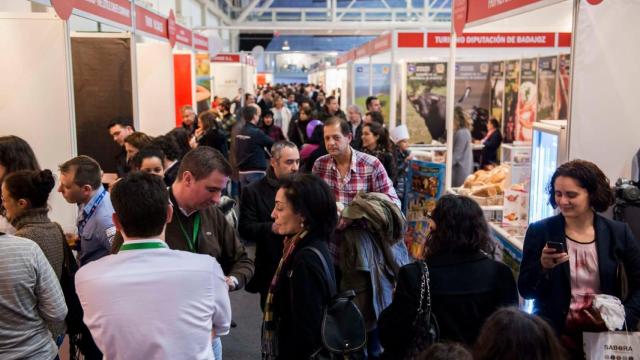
(549, 150)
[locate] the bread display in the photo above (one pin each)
(487, 187)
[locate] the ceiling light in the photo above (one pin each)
(285, 46)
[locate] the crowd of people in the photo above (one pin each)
(148, 270)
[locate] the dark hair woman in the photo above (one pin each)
(209, 133)
(513, 334)
(134, 142)
(571, 257)
(181, 137)
(306, 213)
(15, 154)
(376, 142)
(491, 143)
(25, 194)
(466, 284)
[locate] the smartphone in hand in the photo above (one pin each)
(557, 246)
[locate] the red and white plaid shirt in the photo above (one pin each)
(366, 174)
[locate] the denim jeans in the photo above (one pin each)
(217, 348)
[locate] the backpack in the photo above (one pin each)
(343, 331)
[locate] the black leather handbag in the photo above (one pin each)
(425, 323)
(343, 331)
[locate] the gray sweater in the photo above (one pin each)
(462, 157)
(30, 300)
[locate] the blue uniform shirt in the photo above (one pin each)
(98, 231)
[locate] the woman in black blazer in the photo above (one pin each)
(306, 213)
(563, 283)
(467, 285)
(491, 143)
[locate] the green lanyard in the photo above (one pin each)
(143, 246)
(192, 242)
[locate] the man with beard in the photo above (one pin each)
(256, 224)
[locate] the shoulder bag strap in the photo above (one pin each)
(327, 272)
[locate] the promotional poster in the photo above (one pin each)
(562, 88)
(497, 89)
(511, 86)
(424, 187)
(203, 81)
(527, 100)
(361, 84)
(473, 93)
(381, 74)
(426, 93)
(547, 67)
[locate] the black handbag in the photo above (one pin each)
(343, 331)
(425, 323)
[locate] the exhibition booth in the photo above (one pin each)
(86, 65)
(233, 74)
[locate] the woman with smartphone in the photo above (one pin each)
(571, 257)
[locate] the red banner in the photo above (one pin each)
(411, 40)
(228, 58)
(564, 39)
(346, 57)
(171, 28)
(183, 35)
(363, 50)
(482, 9)
(381, 43)
(459, 16)
(493, 40)
(63, 8)
(200, 42)
(118, 11)
(150, 22)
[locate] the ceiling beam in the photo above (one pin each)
(345, 26)
(246, 11)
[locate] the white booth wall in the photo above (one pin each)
(155, 81)
(35, 94)
(604, 125)
(227, 78)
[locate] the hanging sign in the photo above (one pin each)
(493, 40)
(150, 22)
(483, 9)
(228, 58)
(459, 16)
(63, 8)
(381, 43)
(118, 11)
(183, 35)
(171, 28)
(200, 42)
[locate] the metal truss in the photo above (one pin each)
(258, 15)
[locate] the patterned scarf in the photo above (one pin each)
(269, 323)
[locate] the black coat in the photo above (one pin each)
(122, 166)
(300, 299)
(256, 205)
(465, 290)
(251, 145)
(490, 149)
(214, 138)
(552, 290)
(356, 142)
(171, 174)
(298, 132)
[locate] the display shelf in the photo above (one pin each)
(512, 235)
(456, 191)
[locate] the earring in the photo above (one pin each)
(302, 224)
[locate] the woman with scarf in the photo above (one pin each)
(268, 127)
(306, 213)
(376, 142)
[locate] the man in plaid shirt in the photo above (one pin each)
(348, 171)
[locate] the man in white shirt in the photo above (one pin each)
(147, 301)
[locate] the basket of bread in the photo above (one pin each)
(486, 187)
